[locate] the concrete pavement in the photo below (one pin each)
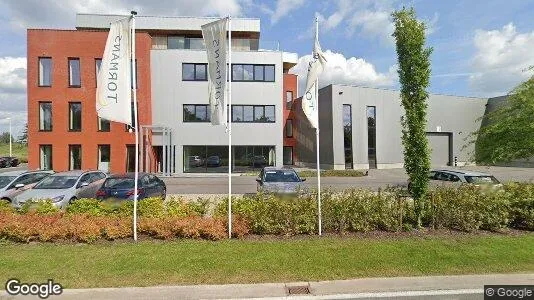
(428, 287)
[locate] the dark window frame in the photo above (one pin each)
(98, 154)
(289, 104)
(39, 71)
(51, 116)
(288, 121)
(81, 116)
(69, 59)
(254, 72)
(99, 129)
(254, 119)
(41, 146)
(71, 146)
(195, 71)
(206, 120)
(96, 70)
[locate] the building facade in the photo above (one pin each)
(360, 128)
(176, 134)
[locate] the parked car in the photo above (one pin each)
(463, 176)
(64, 188)
(213, 161)
(259, 161)
(15, 182)
(9, 161)
(121, 186)
(279, 180)
(195, 161)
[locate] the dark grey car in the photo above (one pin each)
(279, 180)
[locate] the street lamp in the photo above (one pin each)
(10, 148)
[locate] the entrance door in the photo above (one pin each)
(440, 148)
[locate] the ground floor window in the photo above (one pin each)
(75, 157)
(130, 158)
(45, 157)
(288, 155)
(214, 159)
(104, 157)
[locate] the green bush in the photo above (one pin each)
(151, 207)
(86, 206)
(521, 197)
(5, 206)
(41, 207)
(178, 207)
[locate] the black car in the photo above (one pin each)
(9, 161)
(121, 186)
(213, 161)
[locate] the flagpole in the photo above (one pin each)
(229, 117)
(317, 141)
(133, 66)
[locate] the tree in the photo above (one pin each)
(507, 133)
(4, 138)
(23, 138)
(414, 76)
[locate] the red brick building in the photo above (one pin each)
(63, 128)
(290, 94)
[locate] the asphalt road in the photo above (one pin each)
(376, 179)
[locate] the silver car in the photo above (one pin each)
(279, 180)
(64, 188)
(463, 176)
(15, 182)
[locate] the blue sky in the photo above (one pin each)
(480, 47)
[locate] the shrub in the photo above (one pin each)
(6, 207)
(86, 206)
(39, 206)
(151, 207)
(178, 207)
(521, 197)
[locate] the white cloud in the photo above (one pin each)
(501, 59)
(340, 70)
(373, 24)
(282, 8)
(12, 93)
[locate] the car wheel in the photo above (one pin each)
(6, 199)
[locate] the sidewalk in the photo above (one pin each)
(339, 289)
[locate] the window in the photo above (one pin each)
(214, 159)
(253, 113)
(98, 65)
(194, 43)
(75, 116)
(175, 42)
(104, 125)
(289, 128)
(371, 136)
(45, 157)
(289, 100)
(194, 72)
(104, 157)
(45, 116)
(74, 72)
(196, 113)
(45, 71)
(130, 158)
(249, 72)
(75, 157)
(28, 179)
(134, 121)
(132, 75)
(347, 135)
(288, 155)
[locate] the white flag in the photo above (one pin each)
(309, 101)
(114, 88)
(214, 35)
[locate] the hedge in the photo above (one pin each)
(466, 208)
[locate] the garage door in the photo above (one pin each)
(439, 147)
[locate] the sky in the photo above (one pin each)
(480, 48)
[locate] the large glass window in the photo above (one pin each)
(347, 135)
(175, 42)
(196, 113)
(195, 43)
(371, 136)
(214, 159)
(45, 116)
(289, 128)
(253, 113)
(289, 100)
(45, 71)
(104, 157)
(75, 116)
(75, 157)
(251, 72)
(74, 72)
(194, 72)
(45, 157)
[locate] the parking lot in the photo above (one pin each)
(218, 184)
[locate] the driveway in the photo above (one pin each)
(376, 179)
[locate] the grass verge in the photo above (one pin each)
(250, 261)
(19, 150)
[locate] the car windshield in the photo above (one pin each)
(5, 180)
(281, 176)
(57, 182)
(481, 179)
(119, 183)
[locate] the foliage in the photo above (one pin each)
(521, 197)
(23, 138)
(507, 133)
(18, 150)
(4, 137)
(414, 76)
(42, 207)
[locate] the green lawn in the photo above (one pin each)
(247, 261)
(19, 150)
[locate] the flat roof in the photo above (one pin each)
(163, 23)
